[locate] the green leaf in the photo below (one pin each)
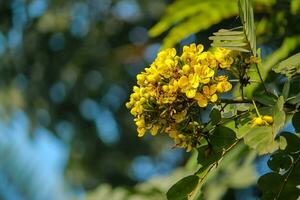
(227, 37)
(278, 116)
(269, 184)
(286, 89)
(268, 100)
(221, 141)
(295, 6)
(181, 189)
(247, 19)
(282, 143)
(296, 122)
(222, 138)
(188, 15)
(295, 100)
(280, 161)
(288, 45)
(215, 116)
(293, 142)
(283, 182)
(230, 39)
(289, 67)
(244, 41)
(261, 139)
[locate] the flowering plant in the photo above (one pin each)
(172, 93)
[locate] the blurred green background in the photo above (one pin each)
(67, 68)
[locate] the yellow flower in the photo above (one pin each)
(154, 129)
(179, 117)
(141, 131)
(201, 100)
(223, 84)
(163, 88)
(262, 121)
(209, 92)
(224, 58)
(189, 85)
(183, 82)
(268, 119)
(191, 52)
(252, 60)
(204, 73)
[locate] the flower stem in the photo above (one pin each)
(257, 112)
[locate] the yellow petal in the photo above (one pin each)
(201, 100)
(190, 93)
(183, 82)
(154, 130)
(214, 98)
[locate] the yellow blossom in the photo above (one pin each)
(262, 121)
(201, 100)
(172, 85)
(204, 73)
(253, 60)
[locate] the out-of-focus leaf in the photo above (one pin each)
(295, 6)
(187, 16)
(181, 189)
(289, 67)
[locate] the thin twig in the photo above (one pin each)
(261, 79)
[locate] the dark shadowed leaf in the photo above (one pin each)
(181, 189)
(296, 122)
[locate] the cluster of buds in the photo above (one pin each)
(171, 92)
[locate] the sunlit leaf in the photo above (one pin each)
(289, 67)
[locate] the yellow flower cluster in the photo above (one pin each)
(174, 88)
(265, 120)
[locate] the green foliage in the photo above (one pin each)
(295, 6)
(262, 139)
(188, 17)
(230, 124)
(289, 67)
(235, 39)
(288, 45)
(231, 39)
(284, 181)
